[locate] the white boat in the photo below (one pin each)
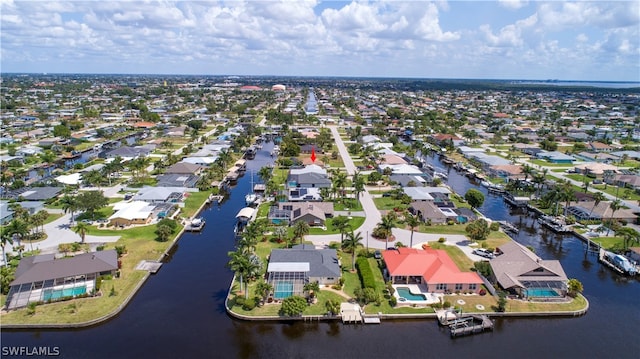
(250, 198)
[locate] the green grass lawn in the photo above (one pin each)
(52, 217)
(193, 203)
(355, 223)
(624, 193)
(549, 164)
(461, 260)
(388, 203)
(350, 204)
(140, 243)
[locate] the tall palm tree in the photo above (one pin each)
(341, 223)
(567, 194)
(597, 198)
(358, 184)
(614, 205)
(387, 224)
(265, 173)
(263, 288)
(18, 229)
(280, 232)
(413, 222)
(527, 171)
(339, 182)
(239, 264)
(81, 229)
(300, 229)
(69, 204)
(351, 244)
(5, 238)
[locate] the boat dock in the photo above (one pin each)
(508, 227)
(195, 225)
(554, 225)
(468, 325)
(150, 266)
(617, 262)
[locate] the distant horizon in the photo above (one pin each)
(546, 80)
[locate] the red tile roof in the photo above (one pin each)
(434, 265)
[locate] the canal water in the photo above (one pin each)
(179, 313)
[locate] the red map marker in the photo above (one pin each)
(313, 154)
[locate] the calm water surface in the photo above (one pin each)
(179, 313)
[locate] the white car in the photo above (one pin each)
(483, 253)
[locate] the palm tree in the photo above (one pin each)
(527, 171)
(387, 224)
(341, 223)
(413, 222)
(300, 229)
(597, 198)
(69, 204)
(18, 229)
(351, 244)
(615, 205)
(358, 184)
(265, 173)
(567, 194)
(5, 238)
(81, 229)
(339, 181)
(263, 288)
(629, 234)
(239, 264)
(280, 232)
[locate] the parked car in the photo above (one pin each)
(483, 253)
(377, 254)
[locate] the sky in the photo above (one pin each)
(506, 39)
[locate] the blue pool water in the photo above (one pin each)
(283, 290)
(50, 294)
(540, 292)
(406, 294)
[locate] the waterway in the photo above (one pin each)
(179, 313)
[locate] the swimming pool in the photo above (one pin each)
(541, 292)
(405, 293)
(54, 294)
(283, 289)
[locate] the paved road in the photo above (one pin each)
(59, 231)
(373, 217)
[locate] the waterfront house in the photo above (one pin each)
(177, 180)
(432, 268)
(290, 269)
(587, 210)
(599, 147)
(305, 183)
(126, 152)
(42, 278)
(185, 168)
(521, 272)
(313, 213)
(428, 211)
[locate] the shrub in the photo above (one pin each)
(365, 273)
(436, 305)
(121, 250)
(31, 308)
(446, 304)
(293, 306)
(442, 240)
(169, 223)
(98, 283)
(482, 292)
(494, 226)
(249, 304)
(393, 301)
(113, 292)
(240, 301)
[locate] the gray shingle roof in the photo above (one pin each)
(322, 262)
(45, 267)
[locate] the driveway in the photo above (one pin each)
(58, 232)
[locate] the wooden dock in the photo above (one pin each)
(351, 313)
(469, 325)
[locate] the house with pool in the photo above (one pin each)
(290, 269)
(522, 273)
(423, 275)
(44, 278)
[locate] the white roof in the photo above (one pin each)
(199, 160)
(418, 193)
(309, 169)
(245, 212)
(71, 179)
(402, 169)
(134, 210)
(288, 267)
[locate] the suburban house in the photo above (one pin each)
(506, 171)
(627, 181)
(428, 211)
(401, 169)
(595, 169)
(128, 213)
(6, 215)
(432, 268)
(160, 194)
(587, 210)
(487, 161)
(177, 180)
(127, 152)
(521, 272)
(290, 269)
(303, 184)
(313, 213)
(43, 278)
(599, 147)
(40, 193)
(555, 157)
(185, 168)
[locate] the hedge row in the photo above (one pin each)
(364, 272)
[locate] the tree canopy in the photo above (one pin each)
(474, 197)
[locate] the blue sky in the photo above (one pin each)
(510, 39)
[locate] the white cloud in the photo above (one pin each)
(513, 4)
